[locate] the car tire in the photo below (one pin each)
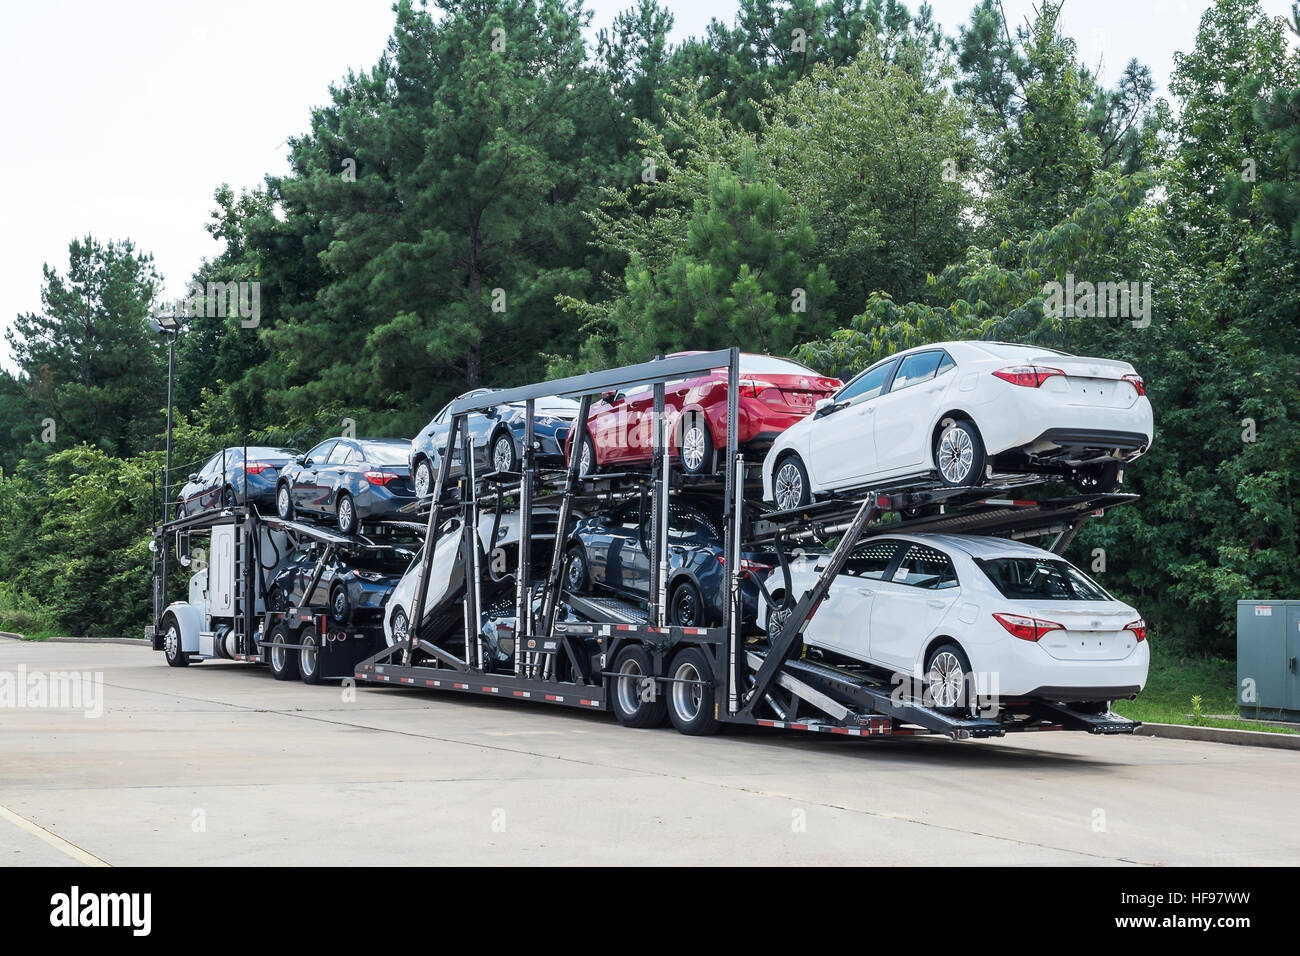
(283, 661)
(627, 690)
(790, 483)
(180, 510)
(171, 642)
(577, 573)
(309, 658)
(695, 448)
(1103, 479)
(284, 502)
(423, 478)
(685, 606)
(398, 626)
(587, 463)
(948, 682)
(959, 454)
(776, 619)
(227, 497)
(346, 512)
(340, 606)
(691, 706)
(503, 455)
(276, 599)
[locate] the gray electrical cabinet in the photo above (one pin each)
(1268, 659)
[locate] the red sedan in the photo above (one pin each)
(774, 394)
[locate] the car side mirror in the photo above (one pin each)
(823, 407)
(610, 397)
(300, 460)
(194, 477)
(307, 462)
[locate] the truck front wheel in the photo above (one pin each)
(171, 642)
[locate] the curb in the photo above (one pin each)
(128, 641)
(1221, 735)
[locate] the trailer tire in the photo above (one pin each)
(171, 642)
(627, 692)
(283, 660)
(309, 660)
(691, 707)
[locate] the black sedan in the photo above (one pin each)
(353, 586)
(498, 434)
(226, 479)
(610, 552)
(347, 480)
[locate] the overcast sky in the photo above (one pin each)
(122, 116)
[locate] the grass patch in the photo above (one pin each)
(22, 614)
(1176, 678)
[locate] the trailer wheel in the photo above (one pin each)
(309, 656)
(691, 706)
(283, 660)
(948, 679)
(634, 694)
(171, 643)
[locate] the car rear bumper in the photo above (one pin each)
(1010, 668)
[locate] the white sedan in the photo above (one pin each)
(960, 411)
(958, 614)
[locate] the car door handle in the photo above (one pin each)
(866, 592)
(934, 603)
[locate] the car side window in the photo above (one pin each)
(925, 567)
(917, 368)
(212, 467)
(945, 364)
(339, 454)
(691, 527)
(868, 385)
(627, 519)
(322, 451)
(872, 560)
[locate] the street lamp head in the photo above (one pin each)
(165, 324)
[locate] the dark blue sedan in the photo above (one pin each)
(347, 480)
(609, 552)
(225, 480)
(498, 436)
(354, 587)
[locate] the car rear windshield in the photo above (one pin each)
(769, 365)
(386, 453)
(1040, 579)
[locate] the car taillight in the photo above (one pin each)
(1026, 628)
(1030, 376)
(1139, 386)
(257, 467)
(754, 388)
(748, 566)
(379, 477)
(1139, 629)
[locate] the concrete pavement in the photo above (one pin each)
(218, 764)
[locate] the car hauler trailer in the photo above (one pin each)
(602, 653)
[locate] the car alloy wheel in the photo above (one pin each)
(347, 515)
(400, 624)
(789, 485)
(576, 573)
(584, 460)
(946, 680)
(339, 605)
(283, 503)
(956, 455)
(693, 448)
(423, 479)
(503, 453)
(776, 624)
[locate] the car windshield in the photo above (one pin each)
(387, 560)
(385, 453)
(1040, 579)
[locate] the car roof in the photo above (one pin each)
(979, 546)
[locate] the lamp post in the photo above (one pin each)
(170, 326)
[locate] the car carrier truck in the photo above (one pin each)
(521, 633)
